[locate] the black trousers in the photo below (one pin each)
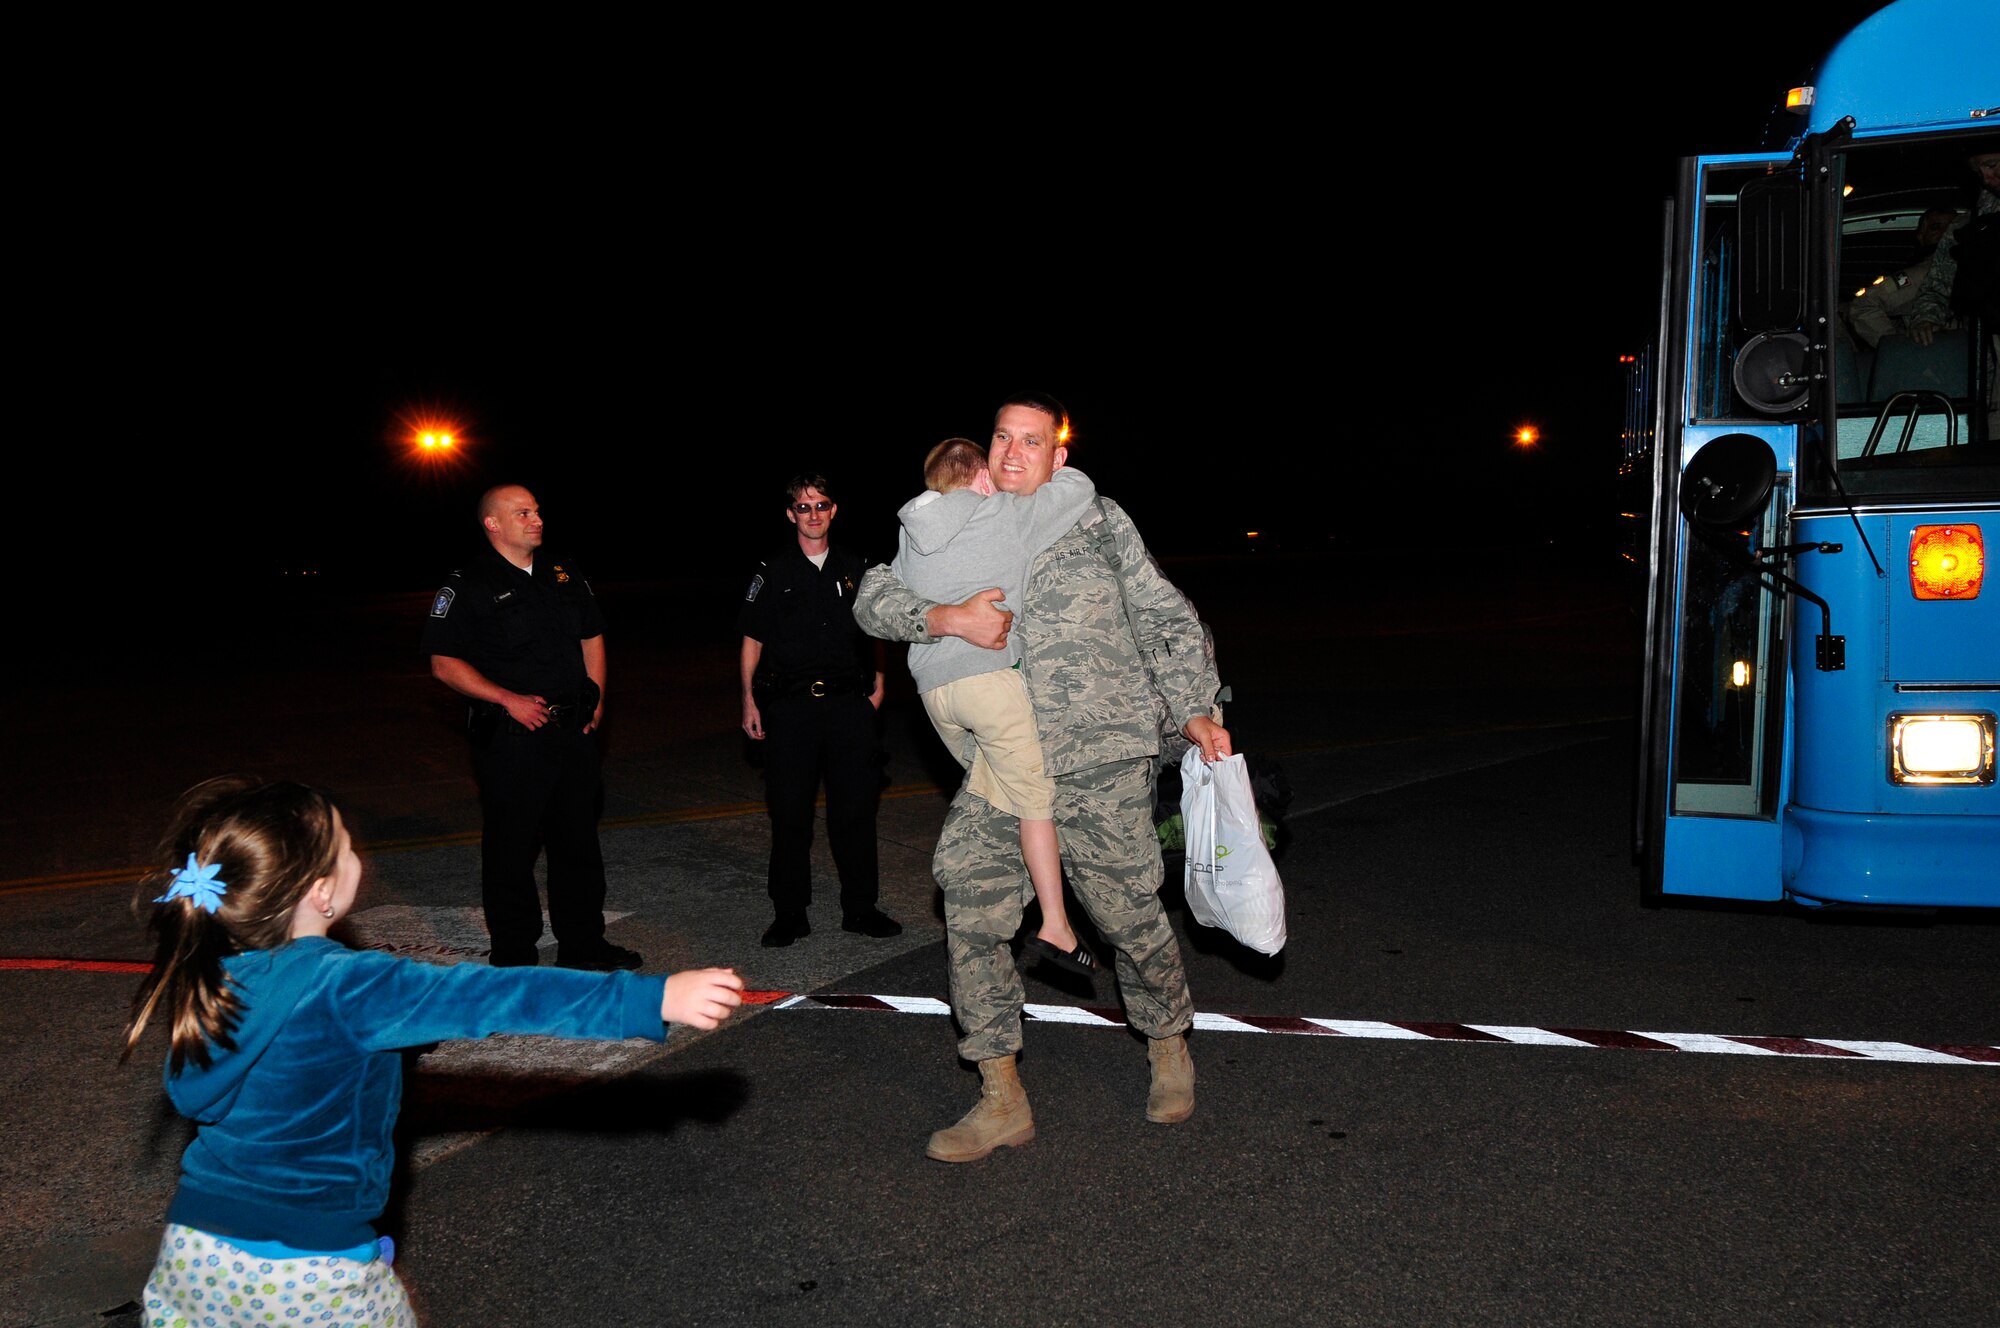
(540, 790)
(806, 739)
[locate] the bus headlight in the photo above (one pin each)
(1947, 562)
(1941, 749)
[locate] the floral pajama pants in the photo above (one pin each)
(202, 1281)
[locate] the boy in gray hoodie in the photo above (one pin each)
(960, 537)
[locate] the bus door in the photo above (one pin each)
(1734, 369)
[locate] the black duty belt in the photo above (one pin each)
(813, 687)
(567, 711)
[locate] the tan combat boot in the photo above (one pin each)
(1000, 1119)
(1172, 1097)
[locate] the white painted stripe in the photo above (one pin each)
(1371, 1028)
(1897, 1051)
(1515, 1034)
(1222, 1023)
(1531, 1037)
(1710, 1042)
(916, 1004)
(1067, 1014)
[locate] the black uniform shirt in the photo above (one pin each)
(520, 631)
(804, 616)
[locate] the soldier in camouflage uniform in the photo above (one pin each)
(1933, 309)
(1884, 307)
(1091, 685)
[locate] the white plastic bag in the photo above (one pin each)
(1231, 881)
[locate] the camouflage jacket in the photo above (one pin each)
(1091, 684)
(1933, 302)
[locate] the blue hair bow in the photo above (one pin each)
(199, 884)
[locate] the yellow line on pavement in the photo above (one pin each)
(127, 876)
(1432, 735)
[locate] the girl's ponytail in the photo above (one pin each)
(189, 945)
(252, 850)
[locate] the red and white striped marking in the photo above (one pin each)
(1715, 1043)
(1727, 1044)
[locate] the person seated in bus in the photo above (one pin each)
(1933, 307)
(1884, 307)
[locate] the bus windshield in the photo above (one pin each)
(1912, 348)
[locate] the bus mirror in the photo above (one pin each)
(1728, 481)
(1770, 242)
(1770, 372)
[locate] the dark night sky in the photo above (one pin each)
(1307, 293)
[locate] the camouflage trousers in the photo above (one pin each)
(1111, 857)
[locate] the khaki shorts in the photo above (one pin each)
(1006, 766)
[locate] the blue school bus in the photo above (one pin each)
(1817, 491)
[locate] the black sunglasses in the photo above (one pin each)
(803, 508)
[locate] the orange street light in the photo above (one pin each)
(432, 439)
(1527, 435)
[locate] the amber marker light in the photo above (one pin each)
(1947, 562)
(1941, 749)
(1527, 436)
(1797, 99)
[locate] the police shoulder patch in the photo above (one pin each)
(442, 604)
(756, 584)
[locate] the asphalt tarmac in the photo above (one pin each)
(1455, 860)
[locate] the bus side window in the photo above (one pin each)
(1750, 295)
(1770, 228)
(1732, 652)
(1713, 335)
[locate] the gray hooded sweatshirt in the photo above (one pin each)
(953, 545)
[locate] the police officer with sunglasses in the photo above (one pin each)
(812, 683)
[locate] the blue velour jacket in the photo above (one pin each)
(292, 1140)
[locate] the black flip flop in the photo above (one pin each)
(1078, 960)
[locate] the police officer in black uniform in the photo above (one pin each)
(519, 634)
(812, 681)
